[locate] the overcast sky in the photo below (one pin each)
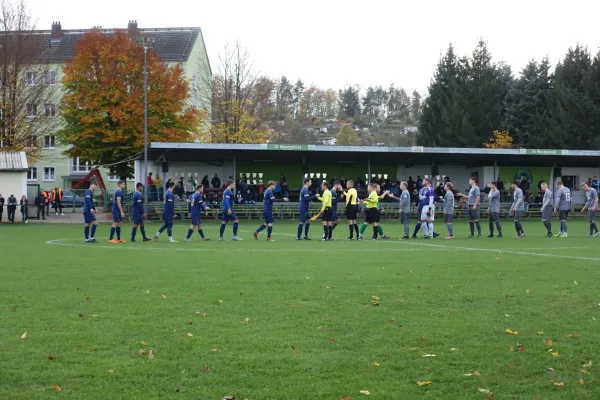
(332, 43)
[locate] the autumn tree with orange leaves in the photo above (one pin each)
(103, 106)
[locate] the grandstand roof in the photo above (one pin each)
(401, 155)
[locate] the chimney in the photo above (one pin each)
(56, 32)
(132, 28)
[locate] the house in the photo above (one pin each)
(184, 46)
(13, 176)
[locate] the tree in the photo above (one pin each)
(499, 140)
(247, 128)
(415, 107)
(103, 106)
(27, 90)
(347, 136)
(349, 99)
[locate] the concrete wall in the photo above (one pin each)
(14, 183)
(459, 175)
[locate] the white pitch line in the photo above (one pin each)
(503, 251)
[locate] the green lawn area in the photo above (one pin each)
(299, 320)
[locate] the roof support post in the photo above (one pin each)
(368, 170)
(234, 176)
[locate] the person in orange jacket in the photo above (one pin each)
(57, 198)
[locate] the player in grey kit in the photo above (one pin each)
(494, 210)
(449, 209)
(591, 205)
(404, 200)
(518, 209)
(562, 204)
(473, 200)
(547, 208)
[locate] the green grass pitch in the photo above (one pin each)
(299, 320)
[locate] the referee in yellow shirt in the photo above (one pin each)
(351, 209)
(326, 212)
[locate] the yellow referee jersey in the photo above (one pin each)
(373, 200)
(326, 199)
(351, 196)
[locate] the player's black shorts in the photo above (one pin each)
(493, 216)
(327, 214)
(351, 212)
(372, 215)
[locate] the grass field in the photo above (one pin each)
(299, 320)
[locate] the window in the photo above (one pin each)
(48, 173)
(80, 166)
(49, 142)
(31, 109)
(50, 110)
(50, 78)
(30, 78)
(114, 178)
(571, 181)
(32, 174)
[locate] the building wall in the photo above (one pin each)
(459, 175)
(15, 183)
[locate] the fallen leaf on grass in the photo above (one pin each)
(346, 398)
(246, 320)
(147, 291)
(548, 342)
(376, 364)
(454, 349)
(528, 291)
(550, 369)
(486, 391)
(575, 282)
(581, 381)
(56, 387)
(400, 300)
(143, 343)
(365, 392)
(150, 355)
(521, 348)
(163, 296)
(512, 348)
(429, 355)
(573, 335)
(13, 308)
(374, 298)
(50, 357)
(540, 333)
(412, 348)
(110, 371)
(557, 383)
(189, 334)
(23, 336)
(475, 373)
(584, 371)
(511, 332)
(206, 369)
(587, 364)
(555, 354)
(190, 323)
(82, 315)
(220, 301)
(142, 352)
(213, 349)
(423, 383)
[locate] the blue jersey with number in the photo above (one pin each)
(305, 199)
(88, 202)
(169, 205)
(227, 199)
(118, 196)
(138, 205)
(196, 204)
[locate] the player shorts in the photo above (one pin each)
(519, 216)
(563, 215)
(334, 214)
(89, 217)
(116, 216)
(268, 217)
(430, 210)
(448, 218)
(591, 215)
(304, 216)
(493, 216)
(226, 218)
(547, 214)
(404, 217)
(473, 215)
(196, 219)
(372, 215)
(138, 219)
(327, 214)
(351, 212)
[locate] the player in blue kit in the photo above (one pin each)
(197, 205)
(227, 212)
(117, 214)
(89, 214)
(428, 211)
(138, 213)
(168, 213)
(305, 199)
(268, 211)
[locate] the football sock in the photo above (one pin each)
(222, 230)
(406, 229)
(430, 226)
(380, 230)
(112, 233)
(425, 228)
(498, 228)
(331, 232)
(491, 228)
(93, 234)
(417, 227)
(326, 231)
(375, 232)
(133, 233)
(201, 233)
(261, 228)
(190, 233)
(478, 226)
(118, 229)
(472, 227)
(306, 228)
(351, 229)
(356, 230)
(591, 228)
(450, 229)
(300, 230)
(235, 228)
(333, 226)
(363, 227)
(86, 231)
(269, 231)
(143, 231)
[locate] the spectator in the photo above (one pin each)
(216, 182)
(205, 182)
(524, 185)
(446, 179)
(284, 190)
(419, 182)
(12, 208)
(40, 202)
(1, 207)
(499, 184)
(343, 182)
(277, 191)
(260, 189)
(415, 197)
(539, 198)
(238, 197)
(47, 200)
(411, 184)
(595, 182)
(178, 191)
(189, 189)
(282, 179)
(24, 209)
(57, 198)
(149, 180)
(589, 182)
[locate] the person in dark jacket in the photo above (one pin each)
(1, 206)
(12, 208)
(40, 202)
(24, 209)
(216, 182)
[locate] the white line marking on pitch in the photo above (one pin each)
(503, 251)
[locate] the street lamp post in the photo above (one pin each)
(146, 43)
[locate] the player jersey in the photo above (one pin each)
(518, 203)
(563, 199)
(428, 196)
(305, 199)
(494, 201)
(474, 193)
(590, 196)
(405, 201)
(334, 199)
(138, 206)
(196, 204)
(268, 202)
(421, 198)
(351, 196)
(88, 203)
(227, 199)
(169, 204)
(326, 199)
(548, 200)
(449, 203)
(118, 196)
(373, 200)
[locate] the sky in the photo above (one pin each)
(333, 43)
